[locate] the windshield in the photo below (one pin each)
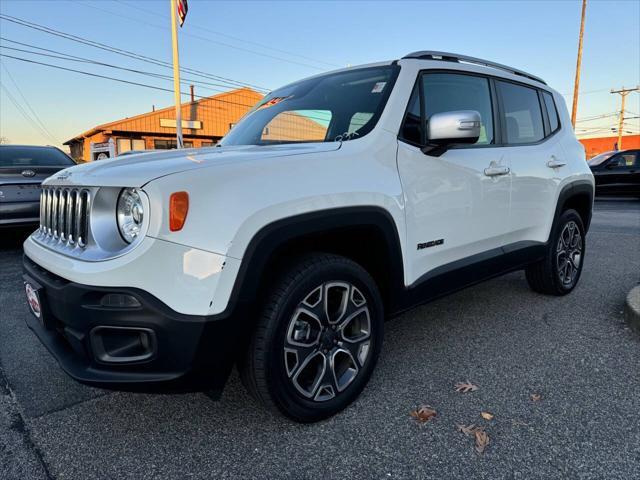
(15, 156)
(334, 107)
(598, 159)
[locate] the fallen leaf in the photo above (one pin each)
(467, 429)
(536, 397)
(465, 387)
(482, 440)
(486, 415)
(423, 413)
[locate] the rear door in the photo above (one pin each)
(457, 207)
(531, 127)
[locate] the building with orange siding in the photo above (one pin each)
(597, 145)
(204, 122)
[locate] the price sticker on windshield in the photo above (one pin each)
(378, 87)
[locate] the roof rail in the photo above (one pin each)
(454, 57)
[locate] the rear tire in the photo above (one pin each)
(559, 271)
(317, 339)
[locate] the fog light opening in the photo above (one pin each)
(123, 344)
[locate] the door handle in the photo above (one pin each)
(494, 171)
(555, 163)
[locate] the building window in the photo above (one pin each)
(169, 144)
(127, 144)
(206, 144)
(77, 150)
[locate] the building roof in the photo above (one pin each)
(595, 145)
(215, 113)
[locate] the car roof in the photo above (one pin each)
(28, 146)
(458, 58)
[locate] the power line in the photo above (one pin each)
(586, 92)
(597, 117)
(206, 39)
(22, 112)
(623, 92)
(145, 85)
(33, 112)
(123, 52)
(75, 58)
(200, 27)
(104, 76)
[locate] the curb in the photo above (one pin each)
(632, 308)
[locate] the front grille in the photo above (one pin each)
(64, 215)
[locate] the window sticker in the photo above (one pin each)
(274, 101)
(378, 87)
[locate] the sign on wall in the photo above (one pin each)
(103, 150)
(171, 123)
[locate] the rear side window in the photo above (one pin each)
(552, 111)
(15, 156)
(522, 115)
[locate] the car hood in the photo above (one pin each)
(137, 170)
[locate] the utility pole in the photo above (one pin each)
(574, 110)
(623, 92)
(176, 74)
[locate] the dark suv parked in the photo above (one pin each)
(617, 173)
(22, 170)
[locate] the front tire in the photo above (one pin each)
(559, 271)
(317, 340)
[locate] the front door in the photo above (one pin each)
(620, 174)
(457, 205)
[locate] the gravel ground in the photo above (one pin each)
(575, 352)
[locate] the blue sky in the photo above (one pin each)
(272, 43)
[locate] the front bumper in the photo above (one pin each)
(190, 352)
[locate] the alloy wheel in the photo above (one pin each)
(328, 340)
(569, 253)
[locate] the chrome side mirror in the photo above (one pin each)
(449, 128)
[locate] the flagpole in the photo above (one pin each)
(176, 74)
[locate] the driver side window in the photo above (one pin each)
(622, 160)
(448, 92)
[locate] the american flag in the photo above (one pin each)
(183, 8)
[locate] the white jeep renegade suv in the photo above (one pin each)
(336, 202)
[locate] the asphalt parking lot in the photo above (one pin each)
(575, 352)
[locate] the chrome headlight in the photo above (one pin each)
(130, 214)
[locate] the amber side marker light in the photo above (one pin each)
(178, 209)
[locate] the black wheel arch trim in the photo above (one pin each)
(573, 189)
(273, 235)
